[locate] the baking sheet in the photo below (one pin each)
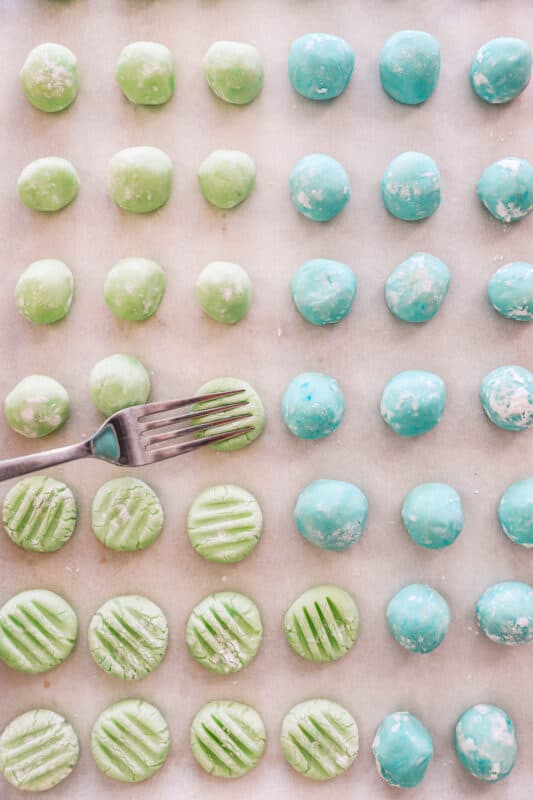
(364, 130)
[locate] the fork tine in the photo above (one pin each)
(162, 423)
(204, 426)
(148, 409)
(177, 449)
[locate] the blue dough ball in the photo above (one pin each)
(485, 742)
(320, 187)
(323, 290)
(403, 749)
(418, 618)
(515, 512)
(410, 187)
(409, 66)
(331, 514)
(433, 515)
(413, 402)
(501, 69)
(511, 291)
(416, 289)
(505, 613)
(313, 405)
(507, 397)
(320, 65)
(506, 189)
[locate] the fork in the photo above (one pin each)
(126, 437)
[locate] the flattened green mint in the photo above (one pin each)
(49, 77)
(43, 293)
(48, 184)
(254, 408)
(227, 738)
(126, 514)
(37, 406)
(322, 624)
(39, 514)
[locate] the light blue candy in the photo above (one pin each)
(409, 66)
(416, 289)
(410, 187)
(418, 618)
(413, 402)
(403, 749)
(313, 405)
(501, 69)
(320, 187)
(323, 290)
(507, 397)
(320, 65)
(511, 291)
(506, 189)
(485, 742)
(505, 613)
(515, 512)
(433, 515)
(331, 514)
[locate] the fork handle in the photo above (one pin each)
(14, 467)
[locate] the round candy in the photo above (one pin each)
(313, 405)
(319, 187)
(234, 71)
(319, 739)
(507, 397)
(505, 613)
(322, 624)
(43, 293)
(515, 512)
(134, 288)
(39, 514)
(226, 177)
(224, 632)
(118, 382)
(126, 514)
(511, 291)
(323, 290)
(506, 189)
(416, 289)
(49, 77)
(320, 65)
(37, 406)
(224, 291)
(409, 66)
(485, 742)
(331, 514)
(139, 179)
(48, 184)
(501, 69)
(433, 515)
(410, 187)
(413, 402)
(130, 741)
(227, 738)
(403, 749)
(224, 523)
(38, 750)
(38, 630)
(418, 618)
(145, 73)
(254, 407)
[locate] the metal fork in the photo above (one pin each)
(126, 437)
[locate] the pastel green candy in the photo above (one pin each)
(322, 624)
(254, 408)
(49, 77)
(139, 179)
(501, 69)
(228, 738)
(409, 66)
(413, 402)
(418, 618)
(48, 184)
(234, 71)
(506, 189)
(402, 748)
(504, 613)
(331, 514)
(320, 65)
(323, 290)
(39, 514)
(134, 288)
(226, 177)
(319, 187)
(118, 382)
(37, 406)
(145, 73)
(511, 291)
(515, 512)
(126, 514)
(416, 289)
(433, 515)
(410, 187)
(485, 742)
(43, 293)
(224, 291)
(312, 406)
(507, 397)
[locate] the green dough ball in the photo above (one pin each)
(130, 741)
(224, 291)
(403, 749)
(226, 177)
(234, 71)
(515, 512)
(128, 637)
(39, 514)
(126, 514)
(139, 179)
(48, 184)
(38, 630)
(256, 420)
(224, 632)
(134, 288)
(118, 382)
(49, 77)
(322, 624)
(145, 73)
(227, 738)
(224, 523)
(43, 293)
(38, 750)
(37, 406)
(320, 739)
